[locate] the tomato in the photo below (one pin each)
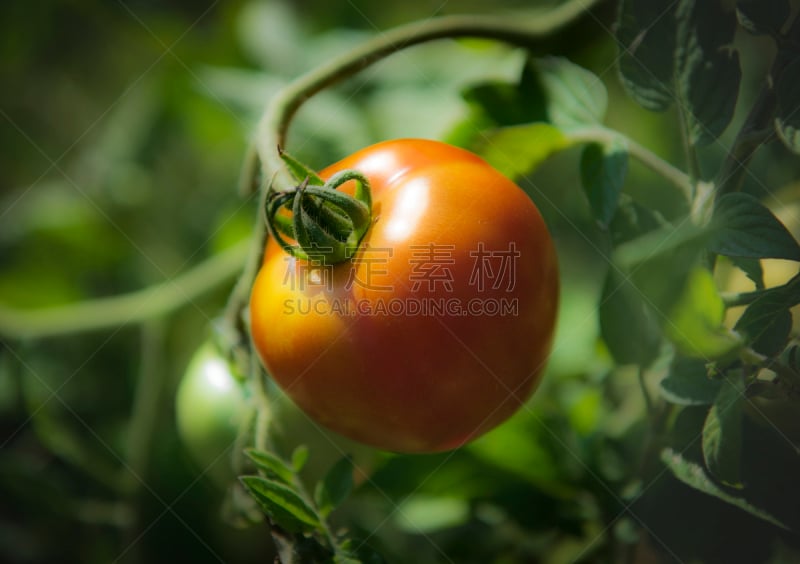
(210, 407)
(438, 328)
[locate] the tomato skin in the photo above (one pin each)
(404, 381)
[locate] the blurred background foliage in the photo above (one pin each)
(124, 127)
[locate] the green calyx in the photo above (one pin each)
(327, 225)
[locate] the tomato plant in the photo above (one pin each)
(406, 346)
(407, 294)
(210, 410)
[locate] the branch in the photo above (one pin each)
(644, 155)
(754, 133)
(135, 307)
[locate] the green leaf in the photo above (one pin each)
(575, 96)
(707, 69)
(521, 448)
(646, 36)
(695, 321)
(791, 357)
(744, 227)
(271, 465)
(299, 458)
(354, 550)
(516, 151)
(774, 338)
(687, 383)
(424, 514)
(695, 477)
(632, 220)
(627, 324)
(300, 171)
(282, 504)
(722, 433)
(752, 269)
(502, 104)
(603, 170)
(335, 486)
(659, 262)
(532, 93)
(661, 242)
(787, 116)
(766, 324)
(763, 16)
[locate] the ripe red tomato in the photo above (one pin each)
(438, 328)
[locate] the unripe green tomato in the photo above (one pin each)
(210, 408)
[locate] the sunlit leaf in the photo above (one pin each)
(687, 383)
(695, 477)
(707, 68)
(744, 227)
(722, 433)
(659, 263)
(603, 171)
(282, 504)
(516, 151)
(646, 35)
(695, 321)
(585, 408)
(517, 447)
(422, 514)
(300, 457)
(574, 95)
(271, 465)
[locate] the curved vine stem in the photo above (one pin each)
(277, 117)
(135, 307)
